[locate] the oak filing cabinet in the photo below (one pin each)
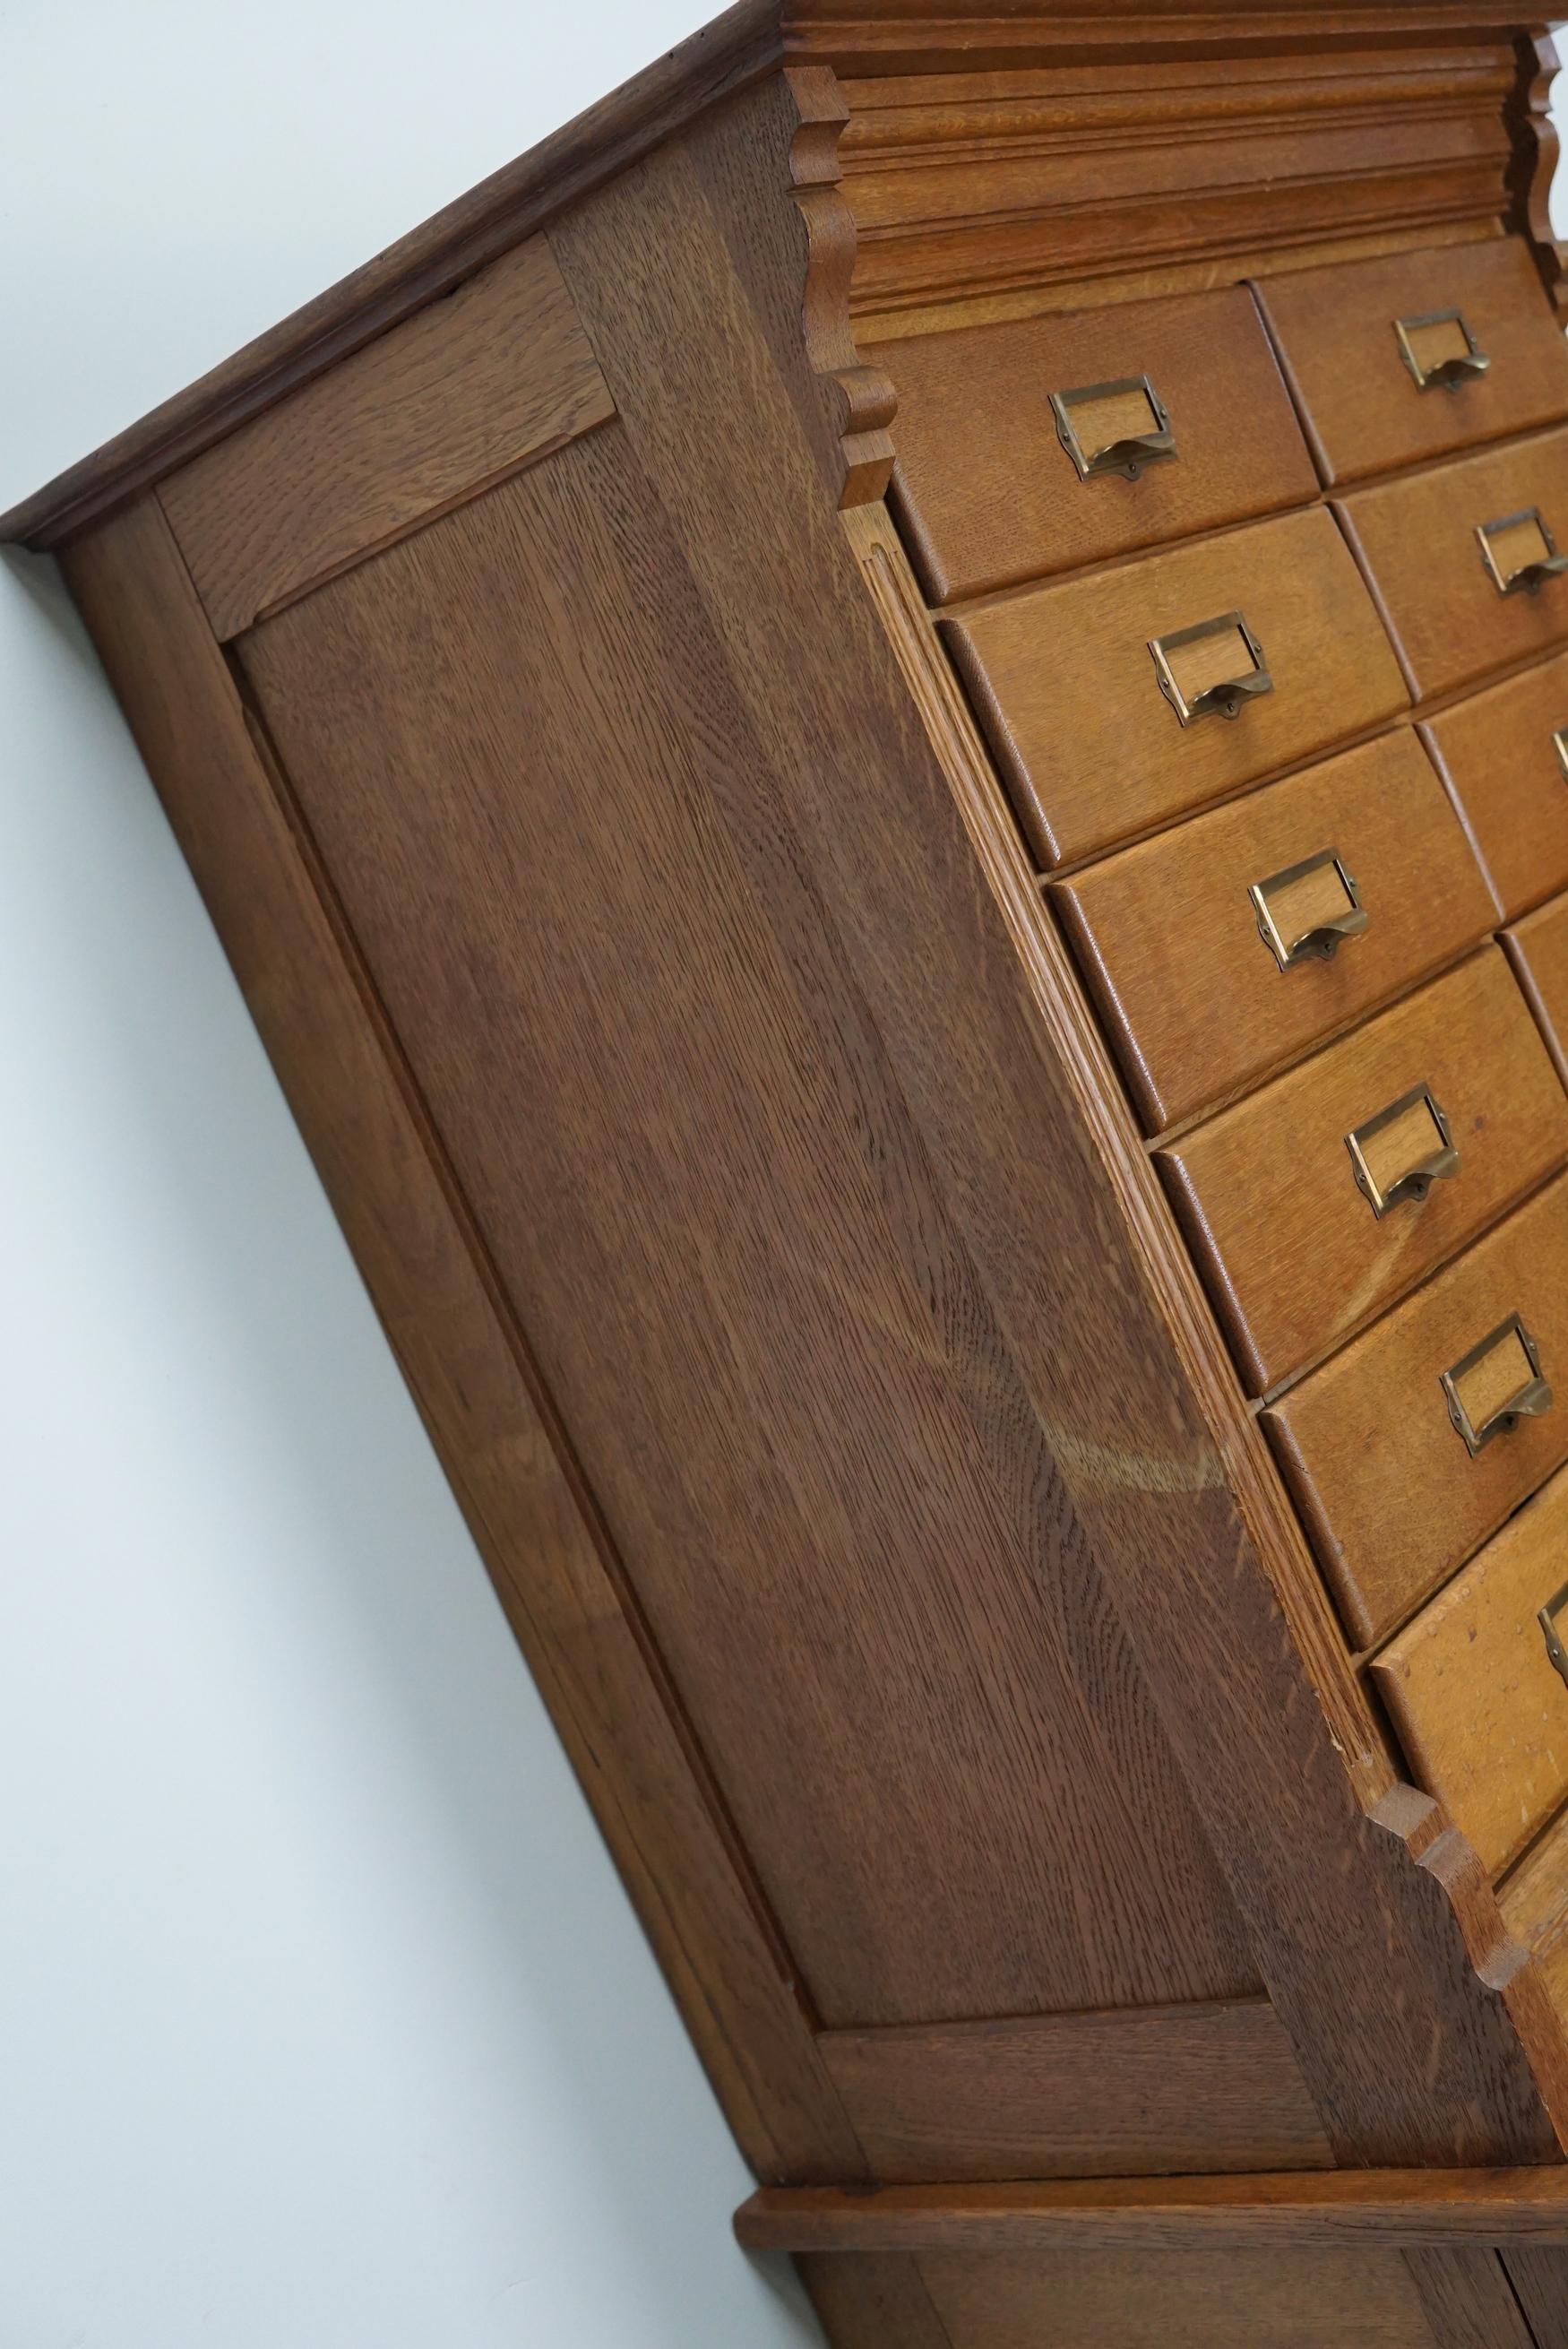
(883, 743)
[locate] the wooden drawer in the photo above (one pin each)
(1194, 993)
(1481, 1707)
(986, 489)
(1497, 753)
(1289, 1243)
(1069, 693)
(1390, 1491)
(1538, 950)
(1420, 541)
(1336, 333)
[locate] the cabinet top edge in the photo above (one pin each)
(872, 39)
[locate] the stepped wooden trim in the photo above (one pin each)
(1379, 2210)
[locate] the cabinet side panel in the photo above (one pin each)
(566, 853)
(464, 1360)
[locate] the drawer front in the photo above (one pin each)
(1538, 950)
(989, 490)
(1090, 739)
(1281, 1195)
(1215, 955)
(1384, 374)
(1472, 1684)
(1497, 753)
(1390, 1491)
(1441, 548)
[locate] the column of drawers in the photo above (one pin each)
(1258, 595)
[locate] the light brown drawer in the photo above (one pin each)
(986, 489)
(1337, 335)
(1480, 1706)
(1538, 950)
(1070, 696)
(1497, 753)
(1193, 990)
(1389, 1490)
(1287, 1239)
(1420, 541)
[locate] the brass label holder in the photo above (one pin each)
(1528, 578)
(1413, 1182)
(1322, 939)
(1530, 1400)
(1226, 696)
(1455, 367)
(1547, 1619)
(1129, 452)
(1560, 744)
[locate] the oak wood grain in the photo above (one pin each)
(1326, 2210)
(878, 2303)
(1495, 752)
(1360, 405)
(674, 1114)
(1479, 1708)
(1416, 541)
(466, 391)
(1147, 2089)
(1194, 999)
(1282, 2299)
(1070, 702)
(1296, 1259)
(1393, 1499)
(1537, 946)
(987, 495)
(537, 1525)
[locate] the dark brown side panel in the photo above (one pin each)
(520, 752)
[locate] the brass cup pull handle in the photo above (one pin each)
(1210, 670)
(1307, 910)
(1439, 350)
(1398, 1154)
(1560, 744)
(1498, 1383)
(1113, 428)
(1520, 551)
(1557, 1655)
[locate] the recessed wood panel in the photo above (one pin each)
(1416, 538)
(1152, 2089)
(554, 831)
(986, 493)
(1069, 692)
(1478, 1704)
(1393, 1499)
(1506, 776)
(1293, 1253)
(467, 389)
(1335, 330)
(1196, 1003)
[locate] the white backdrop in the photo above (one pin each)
(324, 2020)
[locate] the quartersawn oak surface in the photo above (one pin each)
(1415, 538)
(1194, 999)
(1155, 2088)
(1495, 752)
(1480, 1706)
(1394, 1499)
(1361, 408)
(764, 1423)
(464, 392)
(1069, 694)
(987, 495)
(1294, 1256)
